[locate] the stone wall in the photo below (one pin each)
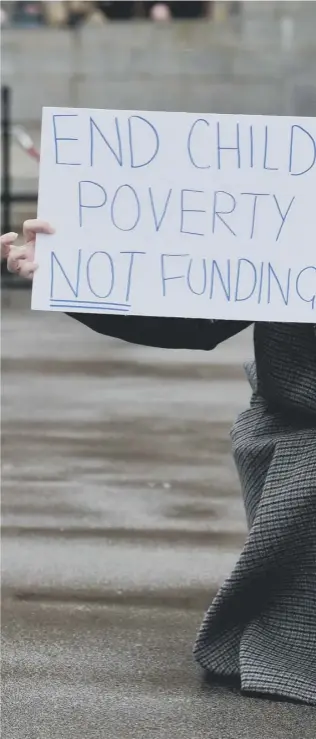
(263, 61)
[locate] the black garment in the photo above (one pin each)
(166, 333)
(117, 11)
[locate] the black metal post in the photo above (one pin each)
(7, 196)
(6, 175)
(6, 156)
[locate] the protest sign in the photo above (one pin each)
(178, 214)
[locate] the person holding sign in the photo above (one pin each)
(261, 627)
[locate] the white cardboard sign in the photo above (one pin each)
(177, 214)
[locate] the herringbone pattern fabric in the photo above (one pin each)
(262, 624)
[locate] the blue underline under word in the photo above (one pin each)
(90, 305)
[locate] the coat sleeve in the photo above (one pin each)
(166, 333)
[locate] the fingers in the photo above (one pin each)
(36, 226)
(21, 262)
(21, 258)
(27, 269)
(6, 242)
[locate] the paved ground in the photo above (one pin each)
(121, 516)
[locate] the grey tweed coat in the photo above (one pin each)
(261, 627)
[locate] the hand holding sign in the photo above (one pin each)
(21, 258)
(174, 214)
(7, 240)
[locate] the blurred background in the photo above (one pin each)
(238, 57)
(121, 507)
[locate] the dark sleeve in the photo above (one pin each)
(166, 333)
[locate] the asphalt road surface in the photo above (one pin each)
(121, 516)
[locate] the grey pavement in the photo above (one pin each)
(121, 515)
